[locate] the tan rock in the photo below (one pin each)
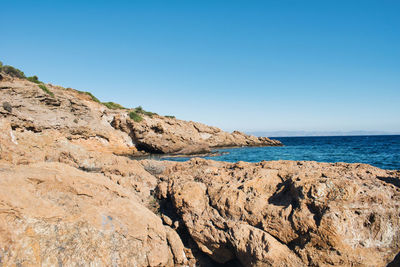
(255, 247)
(53, 214)
(171, 136)
(176, 245)
(287, 213)
(70, 113)
(8, 141)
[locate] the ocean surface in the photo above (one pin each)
(382, 151)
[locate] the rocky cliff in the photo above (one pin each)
(70, 197)
(79, 118)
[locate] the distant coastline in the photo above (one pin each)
(318, 133)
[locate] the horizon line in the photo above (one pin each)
(320, 133)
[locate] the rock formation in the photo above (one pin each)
(70, 196)
(75, 115)
(287, 213)
(70, 114)
(168, 136)
(56, 215)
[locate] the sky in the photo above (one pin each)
(302, 65)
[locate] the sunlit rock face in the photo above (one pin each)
(287, 213)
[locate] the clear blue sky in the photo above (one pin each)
(248, 65)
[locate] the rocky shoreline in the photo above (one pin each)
(70, 195)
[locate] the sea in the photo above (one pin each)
(381, 151)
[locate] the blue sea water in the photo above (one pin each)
(382, 151)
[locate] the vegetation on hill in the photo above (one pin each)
(140, 110)
(34, 79)
(14, 72)
(135, 114)
(10, 70)
(95, 99)
(113, 105)
(45, 89)
(110, 105)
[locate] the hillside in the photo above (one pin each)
(81, 118)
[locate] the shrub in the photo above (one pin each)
(34, 79)
(10, 70)
(46, 90)
(112, 105)
(171, 117)
(140, 110)
(1, 64)
(135, 116)
(150, 114)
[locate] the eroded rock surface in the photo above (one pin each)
(70, 114)
(288, 213)
(55, 215)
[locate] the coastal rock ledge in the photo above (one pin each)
(69, 195)
(163, 135)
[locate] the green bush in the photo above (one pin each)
(1, 64)
(135, 116)
(10, 70)
(112, 105)
(171, 117)
(34, 79)
(140, 110)
(46, 90)
(150, 114)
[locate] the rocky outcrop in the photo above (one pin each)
(171, 136)
(61, 204)
(55, 215)
(288, 213)
(71, 114)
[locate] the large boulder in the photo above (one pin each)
(52, 214)
(288, 213)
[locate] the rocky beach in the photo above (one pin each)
(73, 194)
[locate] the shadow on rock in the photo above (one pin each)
(390, 180)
